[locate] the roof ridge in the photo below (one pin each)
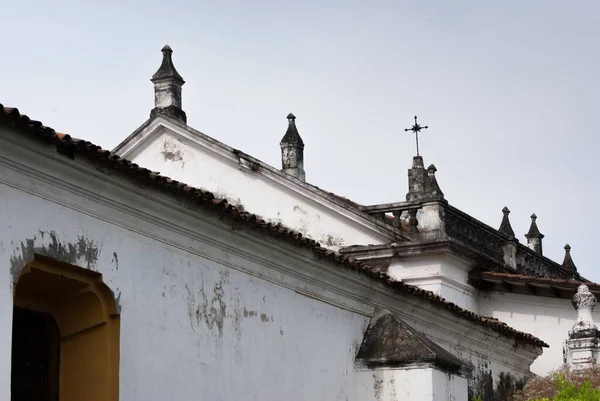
(70, 146)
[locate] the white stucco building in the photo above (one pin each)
(422, 240)
(247, 282)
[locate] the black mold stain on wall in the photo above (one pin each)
(67, 252)
(481, 384)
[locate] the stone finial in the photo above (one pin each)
(167, 69)
(431, 185)
(422, 183)
(167, 88)
(584, 302)
(568, 263)
(505, 227)
(292, 151)
(534, 236)
(582, 349)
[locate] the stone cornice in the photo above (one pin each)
(449, 246)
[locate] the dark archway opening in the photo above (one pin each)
(35, 356)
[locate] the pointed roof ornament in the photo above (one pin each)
(534, 232)
(568, 263)
(167, 69)
(534, 236)
(167, 89)
(292, 137)
(505, 227)
(292, 151)
(432, 186)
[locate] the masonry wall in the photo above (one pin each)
(547, 318)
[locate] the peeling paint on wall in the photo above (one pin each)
(249, 313)
(392, 388)
(212, 313)
(115, 260)
(377, 387)
(117, 295)
(170, 152)
(48, 244)
(330, 240)
(482, 383)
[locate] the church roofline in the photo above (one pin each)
(129, 144)
(12, 118)
(494, 261)
(472, 228)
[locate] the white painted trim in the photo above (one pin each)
(440, 279)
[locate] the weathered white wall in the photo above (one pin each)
(189, 325)
(444, 275)
(206, 309)
(397, 385)
(205, 167)
(547, 318)
(449, 387)
(422, 384)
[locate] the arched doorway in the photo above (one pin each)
(65, 335)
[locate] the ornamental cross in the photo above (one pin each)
(416, 128)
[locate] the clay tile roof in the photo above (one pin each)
(524, 279)
(11, 117)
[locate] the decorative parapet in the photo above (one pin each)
(463, 227)
(435, 219)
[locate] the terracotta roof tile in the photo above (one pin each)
(70, 146)
(524, 279)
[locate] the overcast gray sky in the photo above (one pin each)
(509, 90)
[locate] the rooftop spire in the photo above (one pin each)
(292, 150)
(534, 236)
(167, 88)
(505, 227)
(292, 137)
(167, 69)
(568, 263)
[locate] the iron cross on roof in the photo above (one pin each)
(416, 128)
